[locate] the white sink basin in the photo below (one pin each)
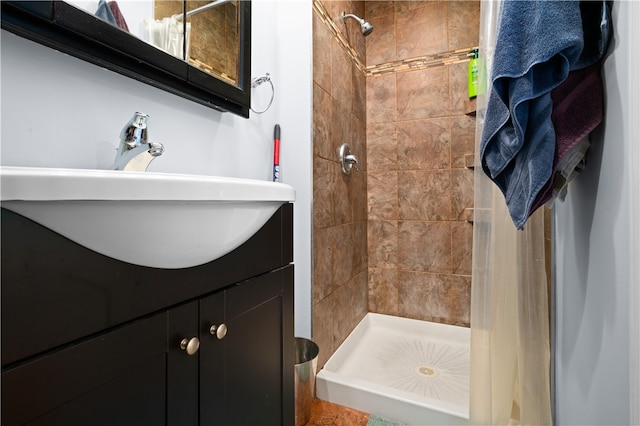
(160, 220)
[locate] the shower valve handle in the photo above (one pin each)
(347, 159)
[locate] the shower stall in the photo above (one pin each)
(392, 243)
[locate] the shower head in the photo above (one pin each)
(365, 26)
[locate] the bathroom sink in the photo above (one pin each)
(160, 220)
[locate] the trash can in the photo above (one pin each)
(305, 378)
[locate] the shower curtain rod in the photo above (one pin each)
(203, 8)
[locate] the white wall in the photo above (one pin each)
(58, 111)
(295, 81)
(593, 258)
(634, 300)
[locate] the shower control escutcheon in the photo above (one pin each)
(347, 159)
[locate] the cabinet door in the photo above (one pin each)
(182, 368)
(118, 378)
(247, 375)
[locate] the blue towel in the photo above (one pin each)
(105, 13)
(537, 44)
(597, 30)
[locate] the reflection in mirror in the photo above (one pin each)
(129, 15)
(166, 29)
(215, 39)
(212, 28)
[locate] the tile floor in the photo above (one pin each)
(325, 413)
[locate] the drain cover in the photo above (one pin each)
(425, 371)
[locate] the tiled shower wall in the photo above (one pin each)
(393, 238)
(418, 134)
(339, 201)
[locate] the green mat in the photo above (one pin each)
(379, 421)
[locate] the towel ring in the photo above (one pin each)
(257, 82)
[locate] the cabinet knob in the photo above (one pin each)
(218, 330)
(190, 345)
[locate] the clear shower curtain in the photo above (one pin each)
(510, 350)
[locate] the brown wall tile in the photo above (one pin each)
(382, 239)
(349, 28)
(424, 195)
(335, 8)
(374, 9)
(359, 297)
(347, 309)
(460, 102)
(381, 43)
(323, 184)
(410, 5)
(435, 297)
(358, 196)
(321, 57)
(424, 246)
(381, 99)
(360, 250)
(322, 263)
(459, 295)
(359, 94)
(464, 24)
(424, 144)
(461, 247)
(341, 78)
(342, 313)
(341, 196)
(342, 258)
(383, 291)
(461, 192)
(340, 129)
(463, 133)
(382, 147)
(423, 296)
(322, 122)
(422, 30)
(354, 34)
(323, 317)
(382, 194)
(423, 94)
(359, 141)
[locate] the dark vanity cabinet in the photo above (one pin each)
(89, 340)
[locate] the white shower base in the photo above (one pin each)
(408, 371)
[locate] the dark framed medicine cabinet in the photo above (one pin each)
(71, 30)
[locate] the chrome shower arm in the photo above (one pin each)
(351, 15)
(365, 26)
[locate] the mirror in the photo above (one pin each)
(198, 49)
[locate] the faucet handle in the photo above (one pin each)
(134, 133)
(139, 119)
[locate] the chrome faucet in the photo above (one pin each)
(135, 151)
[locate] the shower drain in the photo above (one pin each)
(425, 371)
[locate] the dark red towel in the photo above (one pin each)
(115, 9)
(577, 110)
